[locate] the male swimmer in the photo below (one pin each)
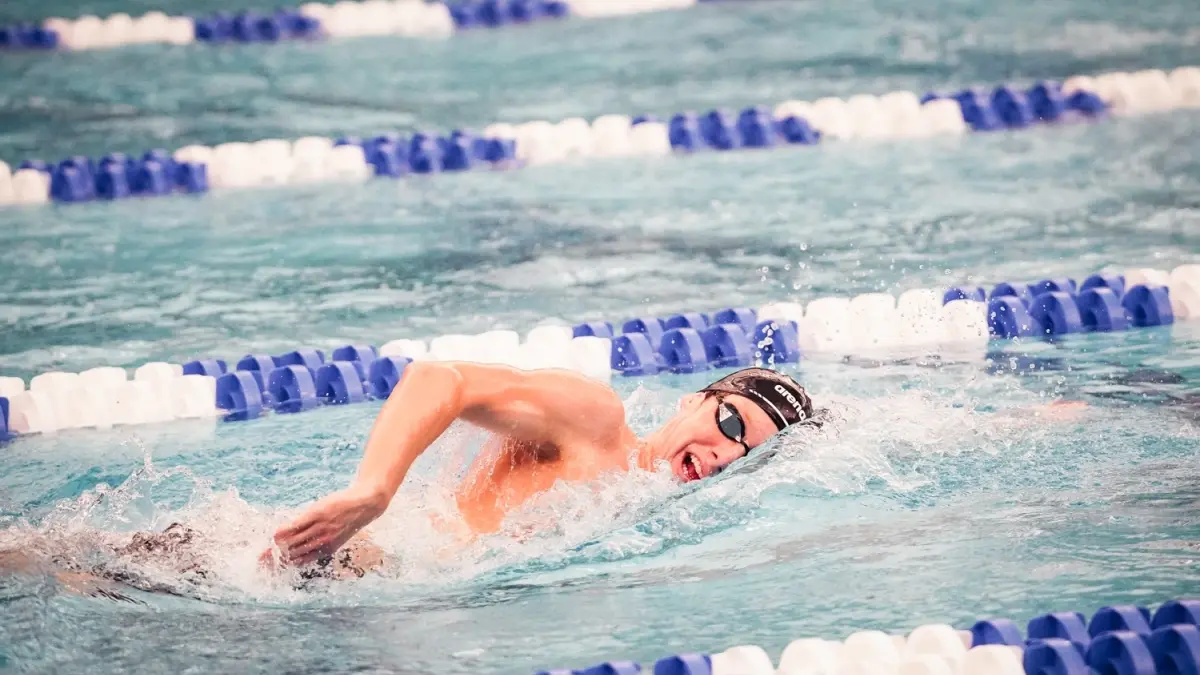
(547, 426)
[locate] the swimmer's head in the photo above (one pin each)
(726, 420)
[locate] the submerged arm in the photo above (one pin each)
(542, 406)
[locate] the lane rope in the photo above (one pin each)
(898, 115)
(954, 325)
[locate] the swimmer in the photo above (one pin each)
(547, 426)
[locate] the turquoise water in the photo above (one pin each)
(945, 493)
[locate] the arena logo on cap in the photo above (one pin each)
(791, 399)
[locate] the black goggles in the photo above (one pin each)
(731, 424)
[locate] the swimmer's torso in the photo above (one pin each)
(508, 472)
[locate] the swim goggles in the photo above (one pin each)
(731, 424)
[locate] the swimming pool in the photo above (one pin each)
(938, 498)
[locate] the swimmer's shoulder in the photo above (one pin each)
(592, 412)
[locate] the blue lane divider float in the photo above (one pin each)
(116, 176)
(302, 380)
(680, 343)
(283, 24)
(502, 146)
(1052, 306)
(311, 21)
(28, 37)
(734, 337)
(1119, 640)
(497, 13)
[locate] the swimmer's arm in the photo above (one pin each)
(547, 406)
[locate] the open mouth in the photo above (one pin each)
(690, 467)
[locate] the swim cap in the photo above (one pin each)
(778, 395)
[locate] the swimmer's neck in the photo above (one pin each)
(647, 450)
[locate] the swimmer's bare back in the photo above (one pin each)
(549, 425)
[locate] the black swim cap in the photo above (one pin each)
(778, 395)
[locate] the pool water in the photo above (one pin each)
(944, 492)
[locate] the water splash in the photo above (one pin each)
(865, 445)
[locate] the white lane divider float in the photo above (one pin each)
(313, 20)
(897, 115)
(919, 323)
(1121, 640)
(104, 397)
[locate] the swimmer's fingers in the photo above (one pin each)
(294, 529)
(293, 535)
(308, 545)
(310, 551)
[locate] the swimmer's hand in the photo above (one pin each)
(327, 525)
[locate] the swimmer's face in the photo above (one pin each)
(695, 447)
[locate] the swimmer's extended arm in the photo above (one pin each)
(547, 406)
